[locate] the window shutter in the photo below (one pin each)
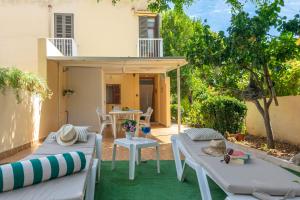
(63, 25)
(143, 26)
(157, 26)
(58, 23)
(69, 26)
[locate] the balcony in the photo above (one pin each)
(146, 47)
(150, 47)
(66, 46)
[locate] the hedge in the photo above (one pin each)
(223, 113)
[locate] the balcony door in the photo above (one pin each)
(148, 27)
(148, 31)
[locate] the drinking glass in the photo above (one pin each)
(146, 130)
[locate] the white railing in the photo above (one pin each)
(66, 46)
(150, 47)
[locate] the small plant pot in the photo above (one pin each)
(129, 135)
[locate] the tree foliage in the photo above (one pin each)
(247, 63)
(250, 52)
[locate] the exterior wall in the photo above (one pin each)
(49, 120)
(22, 23)
(17, 121)
(100, 29)
(82, 105)
(130, 94)
(129, 89)
(164, 101)
(284, 119)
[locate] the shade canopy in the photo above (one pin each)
(123, 64)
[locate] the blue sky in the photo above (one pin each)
(217, 12)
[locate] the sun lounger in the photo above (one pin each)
(73, 187)
(239, 182)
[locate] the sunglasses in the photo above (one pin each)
(229, 152)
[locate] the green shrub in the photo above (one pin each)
(194, 117)
(225, 114)
(23, 81)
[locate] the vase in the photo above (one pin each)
(129, 135)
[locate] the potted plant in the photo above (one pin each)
(129, 126)
(68, 92)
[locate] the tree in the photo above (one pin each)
(163, 5)
(249, 51)
(177, 31)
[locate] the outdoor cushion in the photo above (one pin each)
(257, 176)
(203, 134)
(50, 146)
(82, 132)
(28, 172)
(70, 187)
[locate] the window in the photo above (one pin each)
(113, 94)
(148, 27)
(63, 25)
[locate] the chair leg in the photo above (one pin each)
(102, 128)
(176, 154)
(203, 184)
(90, 189)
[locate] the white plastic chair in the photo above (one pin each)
(104, 120)
(147, 117)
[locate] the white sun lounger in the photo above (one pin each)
(77, 186)
(239, 182)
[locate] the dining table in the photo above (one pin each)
(133, 114)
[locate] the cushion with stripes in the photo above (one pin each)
(82, 132)
(28, 172)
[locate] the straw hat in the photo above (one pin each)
(66, 135)
(215, 148)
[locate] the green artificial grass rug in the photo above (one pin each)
(148, 185)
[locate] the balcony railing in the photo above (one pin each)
(150, 47)
(66, 46)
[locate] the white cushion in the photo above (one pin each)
(203, 134)
(82, 132)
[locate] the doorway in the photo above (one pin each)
(147, 94)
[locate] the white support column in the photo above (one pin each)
(178, 100)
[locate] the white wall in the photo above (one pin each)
(284, 120)
(101, 29)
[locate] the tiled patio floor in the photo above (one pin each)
(158, 132)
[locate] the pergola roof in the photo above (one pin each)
(123, 64)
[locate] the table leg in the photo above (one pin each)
(138, 156)
(114, 126)
(157, 159)
(114, 157)
(132, 150)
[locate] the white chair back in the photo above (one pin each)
(149, 113)
(99, 115)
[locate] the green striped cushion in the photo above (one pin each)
(28, 172)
